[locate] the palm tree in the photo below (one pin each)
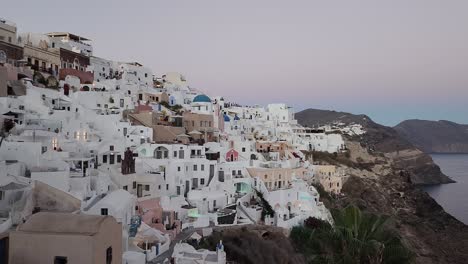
(356, 237)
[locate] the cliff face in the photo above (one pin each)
(383, 140)
(432, 234)
(435, 136)
(383, 188)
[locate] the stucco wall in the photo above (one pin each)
(42, 248)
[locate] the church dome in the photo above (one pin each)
(226, 118)
(201, 98)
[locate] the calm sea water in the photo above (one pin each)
(453, 197)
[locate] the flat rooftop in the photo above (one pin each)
(63, 223)
(68, 35)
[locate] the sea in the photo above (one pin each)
(452, 197)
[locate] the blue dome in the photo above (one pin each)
(226, 118)
(201, 98)
(236, 118)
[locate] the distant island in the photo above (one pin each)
(435, 136)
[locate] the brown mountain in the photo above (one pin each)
(384, 140)
(435, 136)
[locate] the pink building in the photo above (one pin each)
(232, 155)
(152, 214)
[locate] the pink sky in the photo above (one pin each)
(346, 55)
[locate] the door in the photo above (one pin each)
(187, 188)
(221, 176)
(85, 167)
(211, 173)
(4, 250)
(139, 190)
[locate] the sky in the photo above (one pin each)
(390, 59)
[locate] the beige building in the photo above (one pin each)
(276, 178)
(268, 146)
(8, 31)
(10, 52)
(39, 53)
(156, 97)
(330, 177)
(200, 122)
(67, 238)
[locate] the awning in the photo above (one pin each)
(195, 132)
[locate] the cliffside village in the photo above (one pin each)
(103, 162)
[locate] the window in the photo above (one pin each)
(202, 181)
(125, 187)
(233, 172)
(159, 187)
(134, 185)
(178, 168)
(104, 159)
(175, 154)
(111, 147)
(109, 255)
(195, 167)
(119, 158)
(2, 195)
(239, 172)
(60, 260)
(243, 149)
(167, 186)
(161, 152)
(202, 167)
(147, 187)
(104, 211)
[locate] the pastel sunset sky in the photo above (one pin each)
(392, 60)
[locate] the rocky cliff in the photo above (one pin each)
(382, 140)
(435, 136)
(381, 187)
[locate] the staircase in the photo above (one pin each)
(241, 208)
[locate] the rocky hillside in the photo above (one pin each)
(382, 188)
(435, 136)
(382, 140)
